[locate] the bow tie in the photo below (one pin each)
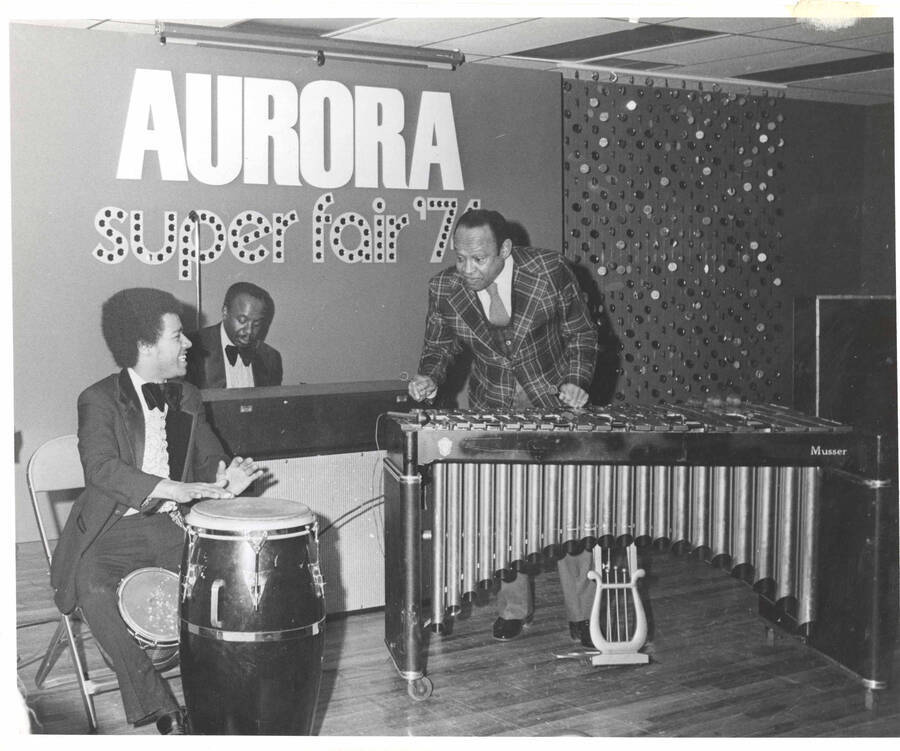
(247, 354)
(158, 395)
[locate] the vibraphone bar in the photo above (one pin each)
(739, 485)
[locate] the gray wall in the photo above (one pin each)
(877, 251)
(335, 321)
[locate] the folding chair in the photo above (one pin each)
(56, 466)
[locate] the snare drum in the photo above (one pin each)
(148, 603)
(252, 617)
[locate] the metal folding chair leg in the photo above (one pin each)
(64, 638)
(57, 645)
(80, 673)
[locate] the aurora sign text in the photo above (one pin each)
(264, 131)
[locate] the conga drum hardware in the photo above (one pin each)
(190, 575)
(256, 540)
(318, 580)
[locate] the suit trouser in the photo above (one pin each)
(131, 543)
(515, 599)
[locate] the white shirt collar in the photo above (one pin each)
(504, 278)
(137, 381)
(504, 287)
(237, 375)
(223, 336)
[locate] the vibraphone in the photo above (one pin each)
(751, 488)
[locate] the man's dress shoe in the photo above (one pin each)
(581, 631)
(507, 629)
(172, 723)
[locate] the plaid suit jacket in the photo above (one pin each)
(551, 339)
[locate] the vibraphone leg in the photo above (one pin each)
(857, 579)
(404, 632)
(872, 697)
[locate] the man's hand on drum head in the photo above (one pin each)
(188, 492)
(239, 474)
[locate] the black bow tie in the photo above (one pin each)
(158, 395)
(247, 354)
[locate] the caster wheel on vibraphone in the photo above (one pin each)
(420, 689)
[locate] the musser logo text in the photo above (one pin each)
(819, 451)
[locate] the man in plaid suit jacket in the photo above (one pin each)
(520, 312)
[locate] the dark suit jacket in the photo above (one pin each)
(111, 444)
(206, 361)
(550, 340)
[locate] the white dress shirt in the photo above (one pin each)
(237, 375)
(504, 289)
(156, 453)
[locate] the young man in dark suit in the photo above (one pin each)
(145, 447)
(232, 353)
(520, 312)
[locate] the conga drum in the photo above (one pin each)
(252, 617)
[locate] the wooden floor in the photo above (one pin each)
(711, 673)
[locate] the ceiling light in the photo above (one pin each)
(320, 49)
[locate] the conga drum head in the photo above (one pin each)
(257, 514)
(148, 603)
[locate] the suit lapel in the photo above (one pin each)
(466, 305)
(133, 415)
(527, 291)
(215, 363)
(260, 371)
(179, 429)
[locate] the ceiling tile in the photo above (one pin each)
(826, 69)
(421, 32)
(877, 43)
(791, 58)
(515, 62)
(714, 50)
(537, 32)
(300, 26)
(733, 25)
(879, 82)
(809, 34)
(66, 23)
(616, 43)
(140, 27)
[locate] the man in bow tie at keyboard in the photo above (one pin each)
(520, 312)
(146, 448)
(232, 353)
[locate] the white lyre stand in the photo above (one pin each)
(614, 650)
(624, 629)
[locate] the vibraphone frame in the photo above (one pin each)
(857, 508)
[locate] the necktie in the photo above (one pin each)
(247, 354)
(497, 315)
(158, 395)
